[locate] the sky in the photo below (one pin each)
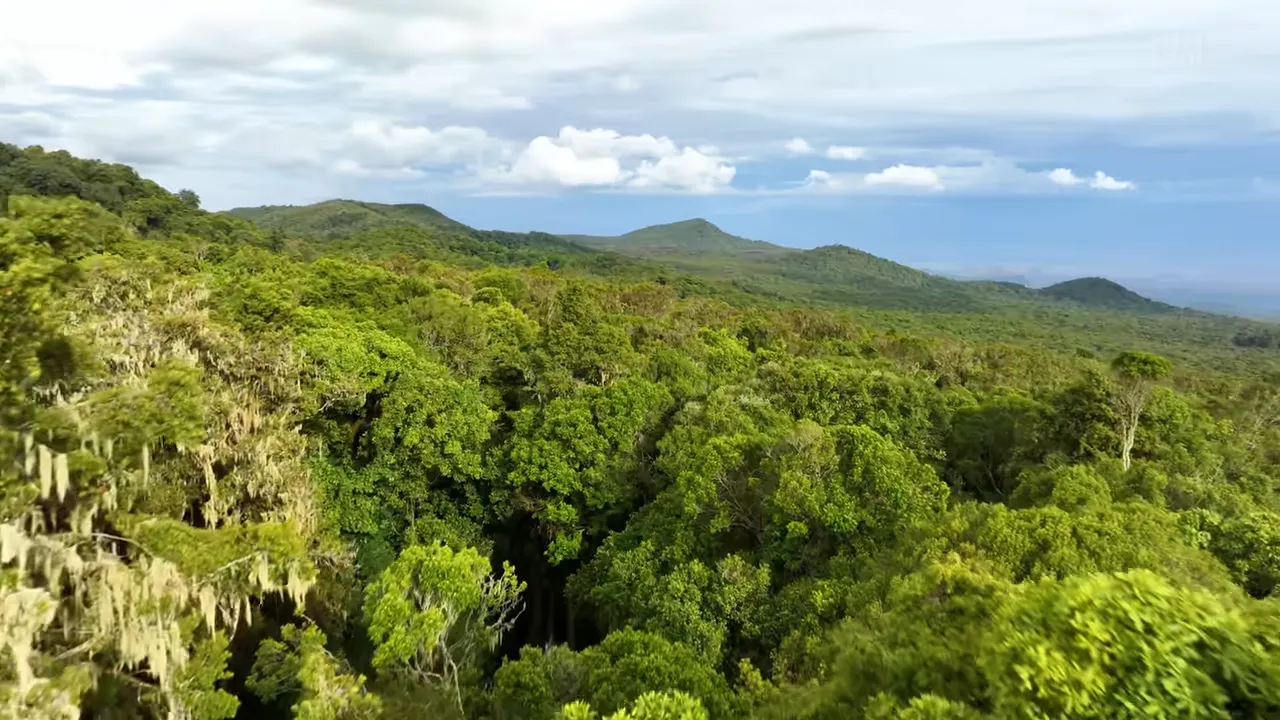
(1049, 138)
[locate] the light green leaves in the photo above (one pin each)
(435, 610)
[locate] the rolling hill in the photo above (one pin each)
(831, 274)
(846, 276)
(1102, 293)
(688, 237)
(696, 257)
(342, 218)
(376, 230)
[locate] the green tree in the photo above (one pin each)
(434, 612)
(300, 671)
(993, 442)
(650, 706)
(1137, 374)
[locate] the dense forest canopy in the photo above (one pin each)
(361, 461)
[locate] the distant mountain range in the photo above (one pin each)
(699, 246)
(832, 274)
(1209, 295)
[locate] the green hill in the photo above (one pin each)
(832, 274)
(695, 257)
(1102, 293)
(846, 276)
(341, 218)
(687, 237)
(376, 230)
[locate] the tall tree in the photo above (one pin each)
(1138, 373)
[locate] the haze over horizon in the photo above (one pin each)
(947, 140)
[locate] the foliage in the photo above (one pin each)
(300, 670)
(434, 610)
(292, 468)
(650, 706)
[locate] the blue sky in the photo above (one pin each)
(1137, 140)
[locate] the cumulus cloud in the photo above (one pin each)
(610, 143)
(911, 176)
(823, 181)
(1103, 181)
(1064, 176)
(253, 85)
(690, 170)
(1100, 180)
(798, 146)
(993, 175)
(544, 162)
(608, 158)
(846, 152)
(895, 178)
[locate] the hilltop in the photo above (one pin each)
(687, 237)
(834, 274)
(377, 230)
(695, 257)
(341, 218)
(843, 275)
(692, 257)
(1102, 293)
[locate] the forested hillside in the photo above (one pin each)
(411, 469)
(696, 257)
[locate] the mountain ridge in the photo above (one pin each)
(691, 243)
(832, 273)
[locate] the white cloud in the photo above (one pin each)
(691, 170)
(608, 158)
(544, 162)
(355, 169)
(1100, 181)
(912, 176)
(846, 152)
(1103, 181)
(271, 86)
(798, 146)
(610, 143)
(993, 175)
(384, 145)
(933, 61)
(822, 181)
(1064, 176)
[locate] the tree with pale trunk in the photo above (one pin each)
(1137, 374)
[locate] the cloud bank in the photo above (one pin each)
(211, 92)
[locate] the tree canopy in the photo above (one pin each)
(411, 469)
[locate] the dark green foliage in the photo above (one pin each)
(1103, 293)
(340, 218)
(688, 237)
(609, 677)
